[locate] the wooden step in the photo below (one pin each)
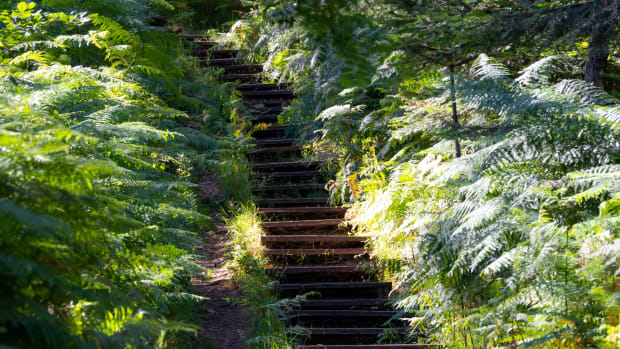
(317, 251)
(325, 336)
(335, 285)
(258, 110)
(214, 53)
(262, 86)
(267, 101)
(267, 93)
(343, 303)
(314, 245)
(369, 346)
(338, 313)
(249, 68)
(302, 210)
(315, 269)
(273, 130)
(313, 238)
(289, 187)
(192, 37)
(338, 290)
(223, 61)
(286, 164)
(303, 224)
(204, 43)
(293, 201)
(267, 118)
(323, 273)
(240, 77)
(354, 331)
(282, 141)
(291, 174)
(288, 149)
(327, 318)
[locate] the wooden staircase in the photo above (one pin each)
(309, 248)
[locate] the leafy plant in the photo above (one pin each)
(97, 177)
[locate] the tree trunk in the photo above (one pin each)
(598, 52)
(598, 45)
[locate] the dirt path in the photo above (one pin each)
(223, 322)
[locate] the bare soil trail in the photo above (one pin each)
(221, 320)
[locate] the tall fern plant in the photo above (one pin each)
(98, 208)
(516, 243)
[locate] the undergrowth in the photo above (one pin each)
(106, 129)
(511, 243)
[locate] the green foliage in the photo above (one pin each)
(104, 127)
(97, 205)
(515, 243)
(197, 14)
(500, 244)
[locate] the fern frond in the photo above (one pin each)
(36, 46)
(582, 92)
(611, 114)
(30, 56)
(486, 68)
(539, 73)
(504, 261)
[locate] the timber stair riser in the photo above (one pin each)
(296, 149)
(275, 203)
(305, 227)
(337, 290)
(241, 77)
(371, 346)
(286, 256)
(274, 142)
(302, 213)
(271, 132)
(302, 252)
(269, 102)
(303, 223)
(288, 174)
(261, 94)
(217, 62)
(338, 247)
(214, 54)
(345, 304)
(358, 276)
(262, 87)
(288, 188)
(351, 336)
(313, 238)
(243, 68)
(287, 165)
(265, 111)
(264, 118)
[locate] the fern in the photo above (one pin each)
(486, 68)
(97, 200)
(539, 73)
(498, 234)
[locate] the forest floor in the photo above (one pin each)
(221, 320)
